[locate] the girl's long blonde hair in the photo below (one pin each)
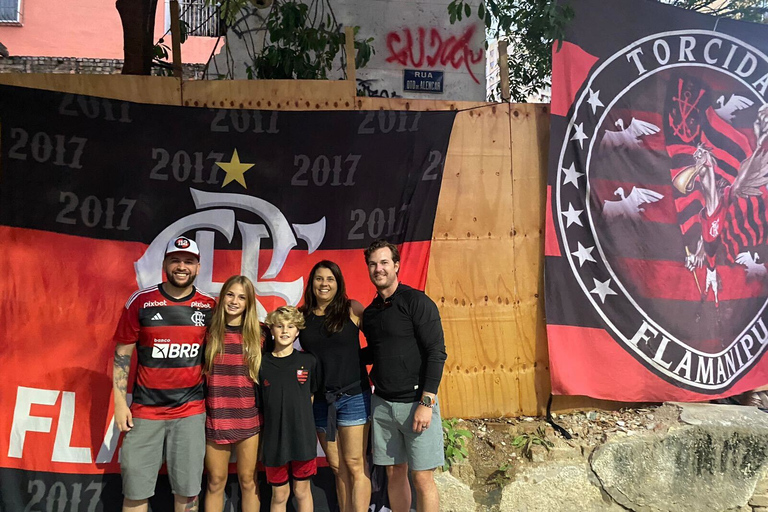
(251, 330)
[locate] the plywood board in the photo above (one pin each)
(368, 103)
(476, 194)
(141, 89)
(270, 94)
(486, 266)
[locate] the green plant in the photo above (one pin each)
(531, 26)
(502, 475)
(162, 52)
(300, 48)
(302, 40)
(527, 440)
(454, 442)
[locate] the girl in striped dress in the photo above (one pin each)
(232, 362)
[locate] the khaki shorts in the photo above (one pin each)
(395, 442)
(180, 442)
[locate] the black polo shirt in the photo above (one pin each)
(406, 343)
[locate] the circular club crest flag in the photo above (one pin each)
(657, 222)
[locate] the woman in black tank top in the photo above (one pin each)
(342, 413)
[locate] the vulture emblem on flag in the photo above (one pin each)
(721, 202)
(628, 137)
(661, 203)
(630, 206)
(728, 110)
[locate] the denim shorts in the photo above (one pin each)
(351, 410)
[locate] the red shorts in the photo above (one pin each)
(300, 470)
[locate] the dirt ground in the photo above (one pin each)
(497, 449)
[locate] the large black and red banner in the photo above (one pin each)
(92, 189)
(657, 219)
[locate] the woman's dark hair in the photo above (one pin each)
(337, 312)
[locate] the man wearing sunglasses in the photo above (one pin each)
(405, 336)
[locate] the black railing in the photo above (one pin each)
(201, 19)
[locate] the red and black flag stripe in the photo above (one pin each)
(91, 191)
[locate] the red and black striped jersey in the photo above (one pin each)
(232, 411)
(169, 334)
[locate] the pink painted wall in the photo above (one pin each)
(84, 28)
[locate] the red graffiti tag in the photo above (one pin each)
(433, 49)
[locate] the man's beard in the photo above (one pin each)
(172, 280)
(388, 281)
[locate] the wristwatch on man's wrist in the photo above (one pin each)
(428, 401)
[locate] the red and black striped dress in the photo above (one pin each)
(233, 414)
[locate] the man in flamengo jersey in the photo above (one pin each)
(167, 418)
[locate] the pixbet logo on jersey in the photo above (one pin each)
(662, 220)
(221, 218)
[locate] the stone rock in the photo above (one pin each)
(565, 487)
(455, 495)
(762, 485)
(464, 472)
(711, 462)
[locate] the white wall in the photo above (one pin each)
(458, 50)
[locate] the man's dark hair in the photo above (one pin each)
(381, 244)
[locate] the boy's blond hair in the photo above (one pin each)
(287, 314)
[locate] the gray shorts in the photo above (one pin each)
(180, 442)
(395, 442)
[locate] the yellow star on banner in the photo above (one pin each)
(235, 170)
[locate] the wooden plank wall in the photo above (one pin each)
(486, 266)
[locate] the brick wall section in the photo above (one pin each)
(79, 66)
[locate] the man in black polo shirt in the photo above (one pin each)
(405, 336)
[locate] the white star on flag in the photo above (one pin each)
(584, 254)
(602, 289)
(572, 216)
(572, 176)
(594, 100)
(580, 135)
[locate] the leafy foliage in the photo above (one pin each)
(454, 442)
(532, 26)
(745, 10)
(162, 52)
(502, 475)
(528, 440)
(302, 41)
